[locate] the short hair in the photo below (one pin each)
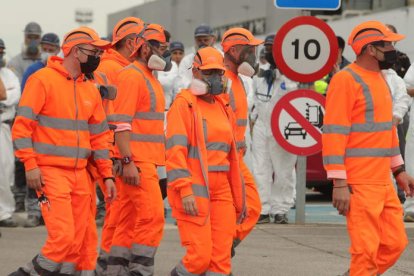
(392, 27)
(120, 44)
(341, 42)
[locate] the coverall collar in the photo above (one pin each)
(56, 63)
(112, 54)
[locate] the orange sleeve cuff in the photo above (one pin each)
(186, 191)
(396, 161)
(30, 164)
(336, 174)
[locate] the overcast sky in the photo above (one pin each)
(53, 16)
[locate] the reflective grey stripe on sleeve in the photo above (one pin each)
(67, 269)
(46, 263)
(336, 129)
(371, 127)
(23, 143)
(200, 190)
(148, 138)
(101, 154)
(154, 116)
(241, 122)
(174, 174)
(26, 112)
(219, 168)
(63, 124)
(218, 146)
(120, 118)
(177, 140)
(369, 106)
(64, 151)
(372, 152)
(333, 159)
(98, 128)
(182, 271)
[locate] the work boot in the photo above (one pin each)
(174, 272)
(33, 221)
(345, 274)
(19, 272)
(263, 219)
(19, 207)
(280, 219)
(9, 222)
(409, 217)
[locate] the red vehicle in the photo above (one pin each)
(316, 175)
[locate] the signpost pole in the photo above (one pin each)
(300, 190)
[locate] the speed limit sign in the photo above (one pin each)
(305, 49)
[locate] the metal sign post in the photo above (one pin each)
(300, 190)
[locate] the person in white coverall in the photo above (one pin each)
(7, 112)
(203, 37)
(273, 167)
(409, 145)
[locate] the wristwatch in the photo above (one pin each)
(126, 160)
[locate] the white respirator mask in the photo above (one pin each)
(198, 87)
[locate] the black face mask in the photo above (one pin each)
(90, 65)
(390, 58)
(270, 59)
(215, 84)
(32, 49)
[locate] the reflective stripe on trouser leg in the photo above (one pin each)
(85, 273)
(118, 261)
(375, 228)
(211, 273)
(149, 223)
(142, 260)
(253, 204)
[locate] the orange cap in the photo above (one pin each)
(371, 31)
(82, 35)
(126, 26)
(239, 36)
(151, 32)
(208, 58)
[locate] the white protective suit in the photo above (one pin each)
(273, 167)
(409, 142)
(8, 107)
(19, 64)
(168, 80)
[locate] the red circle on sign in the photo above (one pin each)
(278, 42)
(282, 105)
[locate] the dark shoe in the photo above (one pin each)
(281, 219)
(409, 217)
(263, 219)
(174, 272)
(19, 208)
(33, 221)
(8, 223)
(19, 272)
(345, 274)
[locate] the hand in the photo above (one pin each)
(110, 190)
(190, 206)
(116, 167)
(336, 68)
(406, 183)
(341, 196)
(34, 179)
(395, 120)
(130, 174)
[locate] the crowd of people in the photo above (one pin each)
(99, 131)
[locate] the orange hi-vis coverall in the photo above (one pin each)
(238, 103)
(202, 160)
(360, 145)
(60, 120)
(111, 64)
(89, 253)
(139, 103)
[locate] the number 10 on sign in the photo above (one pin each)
(305, 49)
